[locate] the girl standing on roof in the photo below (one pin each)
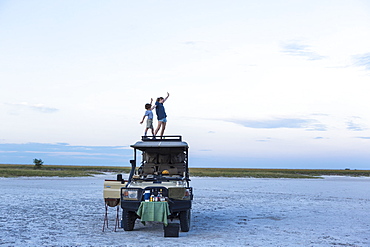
(161, 114)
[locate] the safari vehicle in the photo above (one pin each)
(163, 168)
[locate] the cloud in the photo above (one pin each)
(264, 140)
(320, 114)
(261, 140)
(363, 137)
(354, 127)
(296, 49)
(194, 42)
(189, 42)
(355, 124)
(317, 127)
(362, 60)
(71, 153)
(64, 154)
(276, 123)
(16, 107)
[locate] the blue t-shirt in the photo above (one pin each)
(149, 113)
(159, 109)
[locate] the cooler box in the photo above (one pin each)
(172, 230)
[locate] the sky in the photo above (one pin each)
(253, 84)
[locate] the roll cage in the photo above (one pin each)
(163, 159)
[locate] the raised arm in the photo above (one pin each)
(168, 95)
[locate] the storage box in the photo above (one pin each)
(172, 230)
(112, 189)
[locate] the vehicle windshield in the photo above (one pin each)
(165, 165)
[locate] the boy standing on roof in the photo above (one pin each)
(149, 121)
(161, 114)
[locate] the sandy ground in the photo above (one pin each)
(226, 212)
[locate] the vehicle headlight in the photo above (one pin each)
(180, 193)
(131, 194)
(187, 195)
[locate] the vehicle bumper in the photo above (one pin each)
(175, 205)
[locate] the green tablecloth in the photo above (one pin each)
(154, 211)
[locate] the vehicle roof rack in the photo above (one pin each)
(172, 138)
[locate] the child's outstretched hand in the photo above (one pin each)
(141, 122)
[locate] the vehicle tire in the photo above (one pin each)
(128, 220)
(184, 217)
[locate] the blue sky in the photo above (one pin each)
(252, 83)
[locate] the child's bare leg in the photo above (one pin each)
(152, 132)
(163, 128)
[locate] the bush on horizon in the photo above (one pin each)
(38, 163)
